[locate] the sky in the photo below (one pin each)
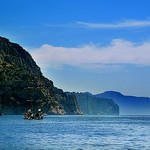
(84, 45)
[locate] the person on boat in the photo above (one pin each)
(39, 115)
(30, 115)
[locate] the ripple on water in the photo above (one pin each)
(75, 132)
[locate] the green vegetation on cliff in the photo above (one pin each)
(22, 80)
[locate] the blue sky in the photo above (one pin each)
(85, 45)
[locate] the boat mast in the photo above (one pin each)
(31, 104)
(40, 97)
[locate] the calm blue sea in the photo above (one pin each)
(75, 132)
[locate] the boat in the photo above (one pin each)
(1, 114)
(30, 115)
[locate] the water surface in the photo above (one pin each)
(75, 132)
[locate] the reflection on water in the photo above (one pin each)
(75, 132)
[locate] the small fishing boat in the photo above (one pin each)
(29, 115)
(1, 114)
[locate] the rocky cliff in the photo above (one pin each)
(22, 85)
(91, 105)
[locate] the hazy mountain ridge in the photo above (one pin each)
(92, 105)
(129, 105)
(22, 80)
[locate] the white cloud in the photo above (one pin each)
(124, 24)
(118, 52)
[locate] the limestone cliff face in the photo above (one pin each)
(21, 80)
(92, 105)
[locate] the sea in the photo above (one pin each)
(85, 132)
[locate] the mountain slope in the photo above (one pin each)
(92, 105)
(22, 80)
(129, 105)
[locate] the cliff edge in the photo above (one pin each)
(22, 85)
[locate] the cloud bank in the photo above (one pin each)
(118, 52)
